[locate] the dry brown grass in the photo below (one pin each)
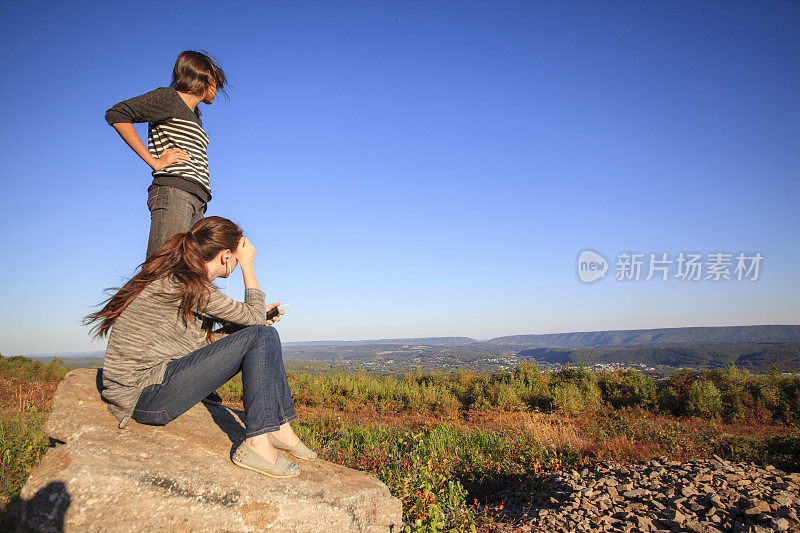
(21, 396)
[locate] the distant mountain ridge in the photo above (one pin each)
(757, 356)
(691, 335)
(590, 339)
(38, 356)
(417, 341)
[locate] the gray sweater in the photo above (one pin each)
(171, 124)
(149, 333)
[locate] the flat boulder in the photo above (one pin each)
(180, 477)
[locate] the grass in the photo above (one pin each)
(22, 443)
(443, 443)
(26, 388)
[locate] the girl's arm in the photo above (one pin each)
(245, 254)
(249, 275)
(168, 156)
(154, 106)
(253, 310)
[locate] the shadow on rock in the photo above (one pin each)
(45, 511)
(229, 421)
(98, 380)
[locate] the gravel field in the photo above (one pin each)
(660, 495)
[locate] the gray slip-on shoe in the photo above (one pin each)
(246, 457)
(299, 450)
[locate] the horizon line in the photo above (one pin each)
(68, 354)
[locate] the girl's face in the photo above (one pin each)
(211, 90)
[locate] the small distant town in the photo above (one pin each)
(504, 363)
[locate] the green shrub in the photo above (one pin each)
(672, 394)
(529, 376)
(571, 398)
(627, 388)
(580, 376)
(787, 408)
(785, 451)
(704, 399)
(22, 368)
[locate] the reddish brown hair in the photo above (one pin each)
(184, 257)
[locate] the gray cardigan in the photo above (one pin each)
(149, 333)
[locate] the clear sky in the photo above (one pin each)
(416, 168)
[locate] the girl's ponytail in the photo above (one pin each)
(191, 275)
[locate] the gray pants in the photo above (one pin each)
(172, 211)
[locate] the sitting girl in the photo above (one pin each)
(157, 364)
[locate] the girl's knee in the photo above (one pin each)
(267, 332)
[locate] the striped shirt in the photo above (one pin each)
(171, 124)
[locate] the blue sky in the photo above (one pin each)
(416, 168)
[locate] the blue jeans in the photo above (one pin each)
(254, 351)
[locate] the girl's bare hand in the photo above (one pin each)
(170, 156)
(246, 252)
(275, 318)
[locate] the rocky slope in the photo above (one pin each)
(703, 496)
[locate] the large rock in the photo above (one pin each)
(179, 477)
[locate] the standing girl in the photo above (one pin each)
(176, 143)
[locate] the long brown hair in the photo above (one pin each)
(184, 257)
(190, 74)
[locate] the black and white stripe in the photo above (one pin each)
(188, 136)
